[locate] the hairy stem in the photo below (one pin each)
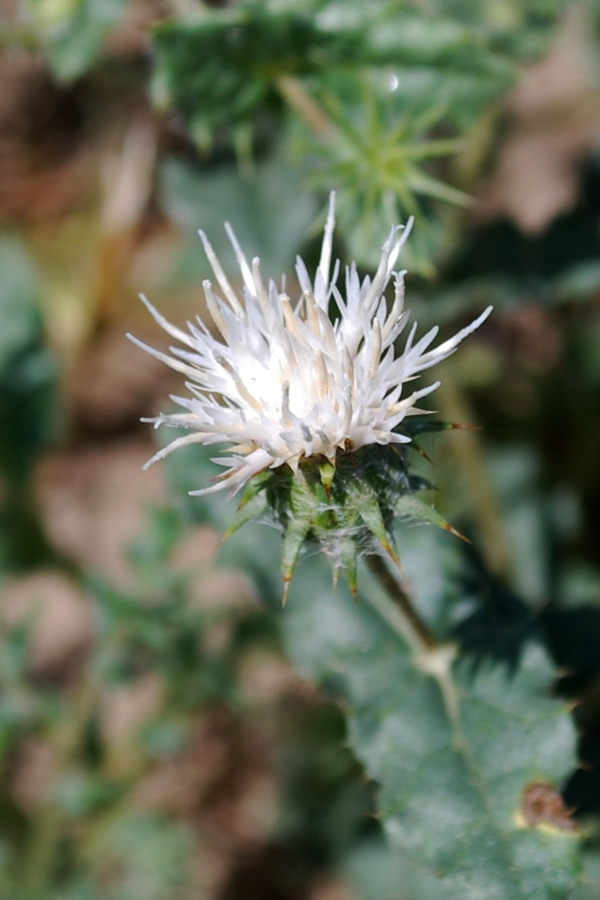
(430, 655)
(405, 617)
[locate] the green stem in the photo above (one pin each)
(430, 655)
(402, 615)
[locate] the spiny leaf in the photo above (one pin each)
(327, 474)
(366, 503)
(301, 513)
(293, 540)
(250, 508)
(253, 504)
(454, 765)
(414, 508)
(346, 563)
(418, 483)
(415, 427)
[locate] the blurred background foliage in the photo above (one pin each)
(154, 741)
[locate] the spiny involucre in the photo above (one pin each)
(288, 389)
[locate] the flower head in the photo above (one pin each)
(281, 382)
(314, 410)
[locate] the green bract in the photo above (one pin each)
(348, 508)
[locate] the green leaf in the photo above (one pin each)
(374, 872)
(431, 73)
(411, 507)
(345, 561)
(363, 498)
(301, 513)
(452, 764)
(269, 213)
(243, 51)
(72, 31)
(253, 505)
(427, 425)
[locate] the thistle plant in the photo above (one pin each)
(315, 395)
(457, 698)
(316, 412)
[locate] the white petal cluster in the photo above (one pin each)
(281, 381)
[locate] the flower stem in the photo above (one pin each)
(405, 617)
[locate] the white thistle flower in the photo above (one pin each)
(281, 382)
